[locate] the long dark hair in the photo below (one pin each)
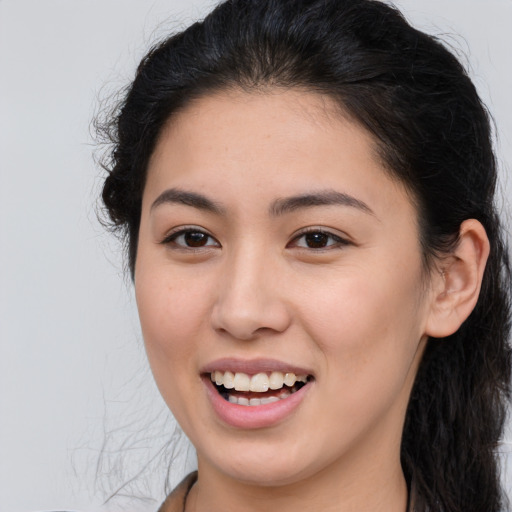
(432, 133)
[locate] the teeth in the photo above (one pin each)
(258, 383)
(242, 400)
(242, 382)
(229, 380)
(289, 379)
(276, 380)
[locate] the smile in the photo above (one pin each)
(259, 389)
(256, 393)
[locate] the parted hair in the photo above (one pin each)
(432, 133)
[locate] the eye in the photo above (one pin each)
(318, 239)
(190, 238)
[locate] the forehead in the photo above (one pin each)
(240, 119)
(279, 142)
(270, 112)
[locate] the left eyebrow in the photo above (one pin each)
(321, 198)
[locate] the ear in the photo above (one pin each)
(456, 286)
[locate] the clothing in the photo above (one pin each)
(175, 502)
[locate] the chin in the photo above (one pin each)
(265, 466)
(268, 475)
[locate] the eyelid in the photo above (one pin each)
(176, 232)
(341, 240)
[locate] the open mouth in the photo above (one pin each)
(259, 389)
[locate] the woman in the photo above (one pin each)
(306, 188)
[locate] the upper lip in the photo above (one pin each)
(253, 366)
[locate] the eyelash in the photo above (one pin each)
(171, 239)
(336, 241)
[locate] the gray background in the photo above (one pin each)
(71, 361)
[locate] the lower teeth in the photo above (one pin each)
(252, 402)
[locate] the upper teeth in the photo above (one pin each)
(259, 383)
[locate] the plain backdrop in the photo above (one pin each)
(72, 366)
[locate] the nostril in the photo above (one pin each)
(249, 321)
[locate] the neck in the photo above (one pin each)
(334, 489)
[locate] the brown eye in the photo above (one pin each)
(196, 239)
(316, 240)
(190, 239)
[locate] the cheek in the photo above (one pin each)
(172, 310)
(367, 332)
(369, 321)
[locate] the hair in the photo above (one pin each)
(432, 133)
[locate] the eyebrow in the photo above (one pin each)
(178, 196)
(321, 198)
(279, 206)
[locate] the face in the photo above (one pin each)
(277, 257)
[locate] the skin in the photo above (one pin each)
(356, 313)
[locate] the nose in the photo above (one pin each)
(250, 298)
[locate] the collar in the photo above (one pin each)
(175, 502)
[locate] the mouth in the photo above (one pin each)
(258, 389)
(256, 393)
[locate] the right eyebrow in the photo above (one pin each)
(184, 197)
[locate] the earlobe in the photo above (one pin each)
(456, 287)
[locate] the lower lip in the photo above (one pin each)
(254, 416)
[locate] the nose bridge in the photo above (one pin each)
(249, 300)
